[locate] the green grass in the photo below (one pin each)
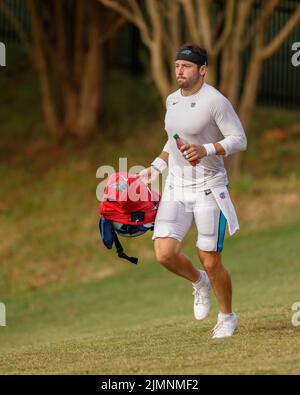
(141, 320)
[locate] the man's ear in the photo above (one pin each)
(203, 70)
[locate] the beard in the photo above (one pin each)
(182, 83)
(185, 83)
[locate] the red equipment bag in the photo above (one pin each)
(128, 208)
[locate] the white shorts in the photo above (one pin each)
(177, 211)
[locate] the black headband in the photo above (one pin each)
(194, 57)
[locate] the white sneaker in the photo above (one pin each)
(201, 297)
(225, 326)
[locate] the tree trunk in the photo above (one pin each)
(51, 117)
(39, 57)
(211, 77)
(71, 62)
(234, 74)
(70, 110)
(90, 92)
(246, 107)
(226, 69)
(248, 98)
(104, 75)
(159, 72)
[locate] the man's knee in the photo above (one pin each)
(165, 256)
(165, 252)
(211, 262)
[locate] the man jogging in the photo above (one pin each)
(206, 120)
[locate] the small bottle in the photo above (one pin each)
(180, 142)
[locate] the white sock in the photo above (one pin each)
(201, 280)
(224, 316)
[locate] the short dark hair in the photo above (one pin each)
(196, 49)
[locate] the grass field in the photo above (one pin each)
(141, 321)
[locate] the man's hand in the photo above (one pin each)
(193, 152)
(148, 175)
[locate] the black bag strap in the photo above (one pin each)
(120, 250)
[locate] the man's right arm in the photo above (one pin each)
(159, 164)
(164, 156)
(165, 152)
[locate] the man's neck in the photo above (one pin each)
(192, 91)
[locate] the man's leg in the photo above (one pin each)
(219, 278)
(211, 226)
(167, 252)
(171, 225)
(221, 283)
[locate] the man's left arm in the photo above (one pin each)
(193, 152)
(231, 128)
